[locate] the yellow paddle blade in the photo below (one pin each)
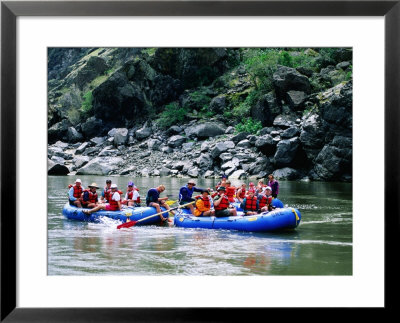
(170, 202)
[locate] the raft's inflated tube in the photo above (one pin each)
(135, 214)
(278, 219)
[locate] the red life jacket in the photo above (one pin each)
(264, 200)
(222, 205)
(206, 202)
(230, 192)
(107, 191)
(113, 203)
(92, 197)
(130, 196)
(242, 193)
(77, 191)
(251, 204)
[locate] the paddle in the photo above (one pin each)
(132, 223)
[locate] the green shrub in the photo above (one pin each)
(87, 104)
(74, 116)
(171, 115)
(243, 107)
(249, 125)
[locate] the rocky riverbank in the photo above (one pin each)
(306, 134)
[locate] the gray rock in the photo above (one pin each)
(193, 172)
(174, 130)
(262, 164)
(60, 144)
(218, 104)
(286, 151)
(218, 149)
(285, 121)
(240, 136)
(230, 130)
(296, 99)
(234, 163)
(205, 130)
(164, 171)
(108, 151)
(204, 161)
(144, 132)
(92, 127)
(266, 144)
(286, 173)
(286, 79)
(100, 166)
(205, 146)
(82, 148)
(266, 109)
(58, 131)
(290, 133)
(244, 143)
(58, 160)
(98, 140)
(208, 174)
(312, 136)
(73, 135)
(176, 141)
(144, 172)
(80, 161)
(56, 169)
(120, 136)
(187, 146)
(238, 174)
(91, 151)
(154, 144)
(225, 157)
(343, 65)
(167, 149)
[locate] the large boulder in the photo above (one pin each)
(265, 110)
(73, 135)
(286, 79)
(100, 166)
(94, 67)
(221, 147)
(204, 161)
(92, 127)
(56, 169)
(176, 141)
(286, 151)
(58, 131)
(296, 99)
(266, 144)
(205, 130)
(286, 173)
(218, 104)
(144, 132)
(120, 136)
(312, 135)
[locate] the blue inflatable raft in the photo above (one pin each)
(278, 219)
(135, 214)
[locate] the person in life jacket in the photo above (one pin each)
(230, 192)
(265, 200)
(106, 192)
(222, 205)
(74, 193)
(250, 204)
(89, 198)
(203, 205)
(186, 192)
(274, 185)
(241, 192)
(153, 199)
(222, 182)
(132, 197)
(114, 202)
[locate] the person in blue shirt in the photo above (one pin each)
(153, 199)
(186, 192)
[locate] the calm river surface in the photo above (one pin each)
(321, 245)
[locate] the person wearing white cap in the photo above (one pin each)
(75, 193)
(265, 200)
(114, 202)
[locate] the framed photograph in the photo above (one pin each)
(46, 271)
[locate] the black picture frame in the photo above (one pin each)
(10, 10)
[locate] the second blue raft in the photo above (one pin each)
(135, 214)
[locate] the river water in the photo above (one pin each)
(321, 245)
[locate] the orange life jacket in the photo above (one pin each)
(224, 204)
(251, 204)
(242, 193)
